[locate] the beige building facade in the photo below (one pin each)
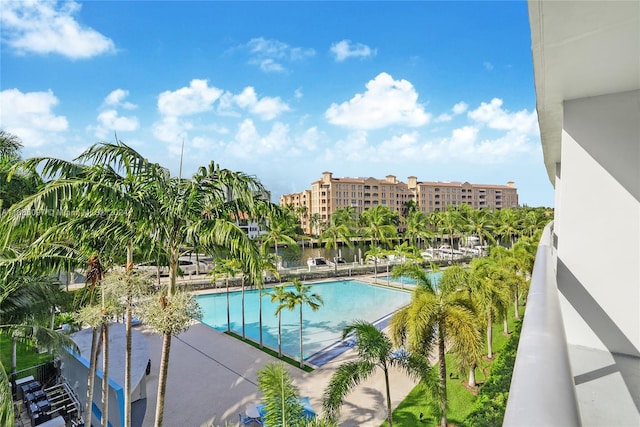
(330, 193)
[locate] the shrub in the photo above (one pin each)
(491, 403)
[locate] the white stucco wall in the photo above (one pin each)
(598, 222)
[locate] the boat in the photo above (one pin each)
(317, 261)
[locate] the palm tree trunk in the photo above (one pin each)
(244, 336)
(505, 323)
(127, 368)
(280, 335)
(260, 315)
(515, 305)
(105, 375)
(228, 310)
(93, 358)
(166, 343)
(489, 336)
(14, 357)
(443, 377)
(162, 379)
(472, 376)
(127, 355)
(389, 411)
(301, 354)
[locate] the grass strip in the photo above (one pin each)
(270, 352)
(26, 354)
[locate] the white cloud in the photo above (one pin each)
(461, 143)
(504, 148)
(465, 145)
(307, 141)
(495, 117)
(386, 102)
(248, 142)
(268, 65)
(345, 49)
(116, 99)
(29, 116)
(267, 108)
(298, 93)
(457, 109)
(43, 27)
(226, 105)
(460, 107)
(198, 97)
(354, 148)
(172, 130)
(487, 65)
(110, 121)
(269, 54)
(405, 146)
(444, 117)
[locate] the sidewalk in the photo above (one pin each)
(212, 377)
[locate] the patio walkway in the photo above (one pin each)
(212, 377)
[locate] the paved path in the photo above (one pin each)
(212, 377)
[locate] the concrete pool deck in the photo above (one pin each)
(213, 377)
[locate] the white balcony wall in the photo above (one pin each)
(598, 222)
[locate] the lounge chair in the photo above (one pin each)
(245, 420)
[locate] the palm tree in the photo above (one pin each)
(416, 223)
(25, 302)
(280, 295)
(508, 224)
(375, 253)
(451, 224)
(30, 303)
(315, 220)
(406, 253)
(345, 216)
(379, 223)
(15, 183)
(332, 235)
(479, 223)
(375, 350)
(518, 264)
(301, 296)
(280, 230)
(146, 202)
(267, 264)
(10, 145)
(435, 318)
(489, 293)
(282, 406)
(226, 268)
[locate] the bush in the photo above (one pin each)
(491, 403)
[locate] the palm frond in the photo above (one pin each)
(346, 377)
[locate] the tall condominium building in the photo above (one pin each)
(329, 194)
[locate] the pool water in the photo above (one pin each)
(344, 302)
(433, 275)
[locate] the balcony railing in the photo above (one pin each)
(542, 391)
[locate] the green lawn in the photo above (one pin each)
(460, 399)
(26, 354)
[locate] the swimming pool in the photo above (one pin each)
(344, 302)
(433, 275)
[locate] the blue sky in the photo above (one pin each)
(281, 90)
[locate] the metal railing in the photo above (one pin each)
(542, 391)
